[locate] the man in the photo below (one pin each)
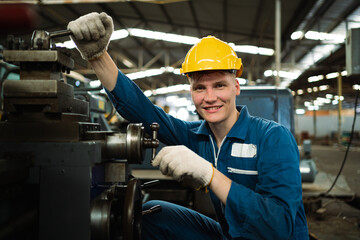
(250, 165)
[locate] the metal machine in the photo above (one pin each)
(61, 175)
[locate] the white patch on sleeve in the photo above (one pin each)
(243, 150)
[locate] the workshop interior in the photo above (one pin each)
(72, 168)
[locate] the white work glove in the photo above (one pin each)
(180, 162)
(91, 34)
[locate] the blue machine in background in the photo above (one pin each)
(270, 103)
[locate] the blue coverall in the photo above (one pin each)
(261, 158)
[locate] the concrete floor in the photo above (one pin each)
(336, 218)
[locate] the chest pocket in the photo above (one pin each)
(241, 166)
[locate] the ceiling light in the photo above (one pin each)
(323, 100)
(268, 73)
(242, 81)
(297, 35)
(177, 71)
(324, 36)
(169, 37)
(307, 104)
(152, 72)
(119, 34)
(337, 98)
(300, 111)
(143, 74)
(332, 75)
(167, 69)
(312, 108)
(253, 49)
(172, 89)
(148, 93)
(324, 87)
(283, 74)
(315, 78)
(329, 96)
(300, 91)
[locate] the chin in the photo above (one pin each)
(212, 120)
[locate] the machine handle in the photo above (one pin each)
(153, 142)
(154, 209)
(41, 40)
(155, 128)
(61, 33)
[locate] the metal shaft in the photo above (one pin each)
(60, 33)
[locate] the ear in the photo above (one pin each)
(237, 86)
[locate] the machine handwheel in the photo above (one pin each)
(131, 221)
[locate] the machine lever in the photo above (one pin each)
(155, 128)
(153, 142)
(61, 33)
(41, 40)
(150, 183)
(154, 209)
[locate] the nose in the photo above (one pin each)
(210, 95)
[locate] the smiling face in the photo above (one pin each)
(214, 94)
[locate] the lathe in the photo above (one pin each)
(61, 175)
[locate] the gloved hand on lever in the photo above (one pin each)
(91, 34)
(181, 163)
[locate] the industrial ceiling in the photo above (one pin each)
(244, 23)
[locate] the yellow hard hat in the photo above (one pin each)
(211, 54)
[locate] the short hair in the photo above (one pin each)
(199, 74)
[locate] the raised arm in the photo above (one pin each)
(105, 70)
(91, 34)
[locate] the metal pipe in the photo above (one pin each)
(339, 81)
(277, 40)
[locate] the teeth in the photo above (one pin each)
(212, 108)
